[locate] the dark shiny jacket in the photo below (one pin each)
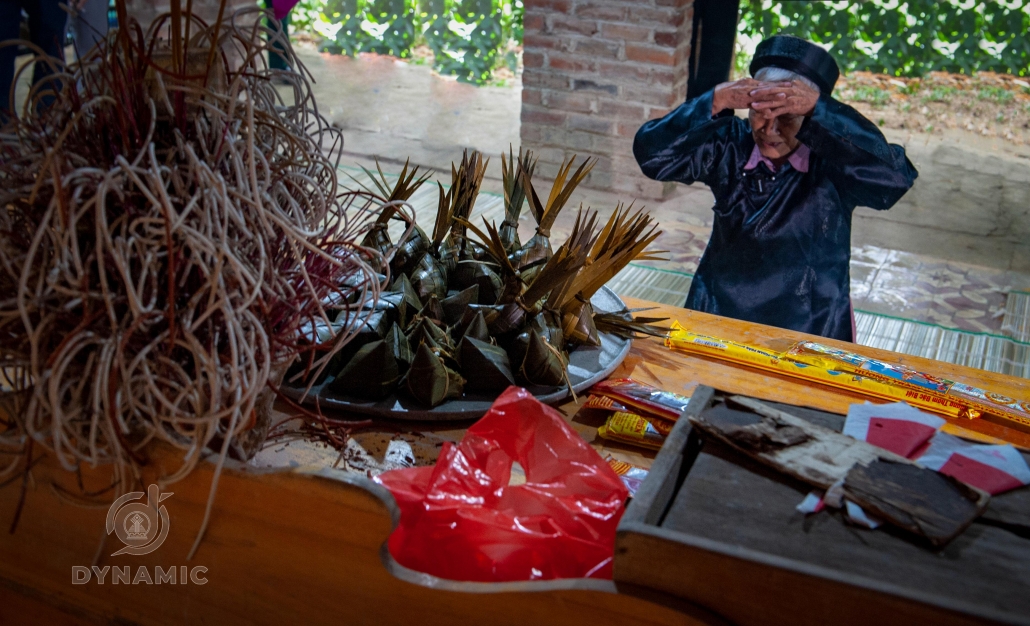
(781, 242)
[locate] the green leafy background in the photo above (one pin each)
(469, 38)
(909, 38)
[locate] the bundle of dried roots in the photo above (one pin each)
(168, 226)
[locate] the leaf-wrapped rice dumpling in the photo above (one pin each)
(537, 362)
(489, 311)
(476, 329)
(449, 253)
(538, 248)
(318, 332)
(485, 366)
(399, 346)
(392, 303)
(474, 251)
(536, 251)
(578, 324)
(548, 324)
(373, 325)
(470, 273)
(433, 310)
(463, 276)
(425, 330)
(372, 373)
(429, 278)
(529, 274)
(429, 381)
(403, 188)
(457, 204)
(556, 275)
(378, 239)
(622, 239)
(409, 303)
(510, 296)
(454, 306)
(349, 290)
(512, 317)
(410, 251)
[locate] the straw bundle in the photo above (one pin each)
(168, 226)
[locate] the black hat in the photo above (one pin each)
(799, 56)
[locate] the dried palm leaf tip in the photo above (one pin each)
(623, 324)
(561, 191)
(168, 226)
(538, 248)
(402, 190)
(465, 183)
(514, 194)
(622, 240)
(392, 198)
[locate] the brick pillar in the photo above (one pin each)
(595, 70)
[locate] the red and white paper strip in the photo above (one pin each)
(897, 427)
(858, 516)
(813, 503)
(995, 469)
(816, 501)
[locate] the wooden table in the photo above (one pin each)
(305, 544)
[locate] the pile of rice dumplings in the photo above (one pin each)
(473, 309)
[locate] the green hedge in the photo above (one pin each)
(901, 38)
(469, 38)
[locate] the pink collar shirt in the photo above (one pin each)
(797, 159)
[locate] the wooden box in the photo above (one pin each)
(714, 527)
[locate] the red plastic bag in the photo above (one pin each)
(462, 521)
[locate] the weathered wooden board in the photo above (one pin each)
(887, 485)
(731, 524)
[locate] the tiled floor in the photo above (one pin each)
(951, 294)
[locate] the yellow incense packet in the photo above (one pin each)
(863, 375)
(635, 430)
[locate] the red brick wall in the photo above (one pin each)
(595, 70)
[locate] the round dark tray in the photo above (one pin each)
(587, 365)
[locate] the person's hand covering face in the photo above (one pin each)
(787, 98)
(776, 111)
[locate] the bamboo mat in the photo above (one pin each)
(1016, 322)
(649, 283)
(994, 353)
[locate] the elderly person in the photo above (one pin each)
(786, 182)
